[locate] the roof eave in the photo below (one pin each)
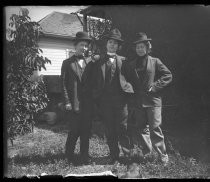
(48, 34)
(86, 10)
(94, 11)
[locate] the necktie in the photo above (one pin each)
(111, 63)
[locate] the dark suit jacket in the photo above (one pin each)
(76, 87)
(157, 76)
(126, 75)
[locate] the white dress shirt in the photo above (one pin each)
(111, 54)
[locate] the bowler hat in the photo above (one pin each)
(82, 36)
(141, 37)
(114, 34)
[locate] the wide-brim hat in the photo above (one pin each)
(141, 37)
(82, 36)
(114, 34)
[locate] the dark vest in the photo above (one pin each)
(101, 75)
(81, 86)
(112, 87)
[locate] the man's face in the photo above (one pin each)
(81, 46)
(112, 46)
(141, 49)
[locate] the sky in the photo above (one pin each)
(36, 13)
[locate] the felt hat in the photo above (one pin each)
(114, 34)
(82, 36)
(141, 37)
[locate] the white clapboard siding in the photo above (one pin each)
(56, 56)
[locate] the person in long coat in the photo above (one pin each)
(153, 77)
(76, 79)
(113, 84)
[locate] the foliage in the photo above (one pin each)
(25, 95)
(97, 28)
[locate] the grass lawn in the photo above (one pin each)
(43, 152)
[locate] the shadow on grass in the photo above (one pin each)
(60, 127)
(38, 159)
(105, 160)
(53, 158)
(63, 128)
(100, 160)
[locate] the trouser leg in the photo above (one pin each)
(107, 112)
(85, 128)
(72, 135)
(121, 118)
(140, 133)
(156, 135)
(145, 139)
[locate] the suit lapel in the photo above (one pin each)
(103, 66)
(148, 64)
(133, 64)
(85, 72)
(118, 62)
(75, 68)
(148, 68)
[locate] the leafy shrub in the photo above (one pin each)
(25, 95)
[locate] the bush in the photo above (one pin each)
(25, 96)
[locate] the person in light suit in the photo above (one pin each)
(153, 77)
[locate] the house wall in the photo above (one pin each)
(56, 50)
(50, 42)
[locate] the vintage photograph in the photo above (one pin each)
(118, 91)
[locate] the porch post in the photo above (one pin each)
(85, 22)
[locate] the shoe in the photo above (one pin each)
(115, 165)
(136, 155)
(164, 159)
(133, 172)
(85, 161)
(150, 157)
(113, 161)
(71, 161)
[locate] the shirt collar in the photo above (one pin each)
(111, 54)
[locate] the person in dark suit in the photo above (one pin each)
(153, 77)
(112, 85)
(76, 79)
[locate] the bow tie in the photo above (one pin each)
(79, 56)
(110, 61)
(111, 56)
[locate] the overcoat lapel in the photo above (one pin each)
(118, 62)
(133, 64)
(75, 68)
(148, 70)
(85, 72)
(103, 66)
